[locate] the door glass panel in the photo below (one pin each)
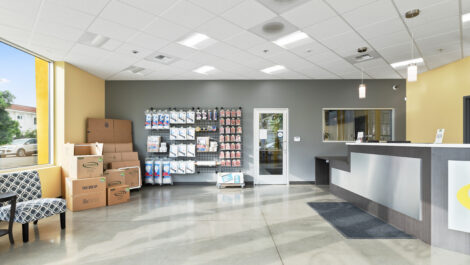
(271, 135)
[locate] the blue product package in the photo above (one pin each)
(227, 178)
(237, 178)
(166, 169)
(148, 178)
(166, 121)
(158, 172)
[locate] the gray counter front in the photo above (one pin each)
(407, 185)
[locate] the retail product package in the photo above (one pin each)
(111, 157)
(213, 146)
(191, 150)
(174, 167)
(181, 134)
(153, 143)
(83, 160)
(158, 172)
(123, 147)
(115, 177)
(173, 150)
(118, 194)
(149, 171)
(166, 175)
(83, 194)
(132, 177)
(202, 144)
(174, 117)
(174, 133)
(230, 178)
(163, 148)
(182, 150)
(155, 119)
(190, 116)
(181, 167)
(121, 164)
(166, 120)
(190, 167)
(109, 148)
(190, 133)
(182, 117)
(148, 119)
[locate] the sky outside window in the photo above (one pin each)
(17, 75)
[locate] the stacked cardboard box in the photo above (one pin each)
(117, 149)
(117, 190)
(83, 168)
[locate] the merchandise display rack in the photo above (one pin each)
(214, 136)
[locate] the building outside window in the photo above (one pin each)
(24, 108)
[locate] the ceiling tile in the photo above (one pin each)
(221, 49)
(166, 30)
(24, 7)
(433, 11)
(187, 14)
(290, 61)
(248, 14)
(155, 7)
(148, 41)
(111, 29)
(345, 44)
(338, 67)
(245, 40)
(316, 72)
(65, 16)
(342, 6)
(435, 27)
(266, 49)
(323, 57)
(280, 7)
(216, 7)
(443, 58)
(15, 35)
(382, 28)
(126, 15)
(58, 30)
(390, 39)
(439, 43)
(13, 19)
(111, 44)
(328, 28)
(397, 53)
(129, 49)
(93, 7)
(405, 5)
(185, 65)
(374, 63)
(371, 13)
(383, 73)
(88, 52)
(51, 42)
(309, 13)
(309, 49)
(219, 29)
(177, 50)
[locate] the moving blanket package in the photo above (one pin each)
(83, 160)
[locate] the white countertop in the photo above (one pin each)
(414, 145)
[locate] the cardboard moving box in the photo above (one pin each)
(111, 157)
(109, 131)
(121, 164)
(109, 148)
(132, 176)
(123, 147)
(115, 177)
(83, 194)
(129, 156)
(118, 194)
(83, 160)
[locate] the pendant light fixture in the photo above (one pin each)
(362, 87)
(412, 71)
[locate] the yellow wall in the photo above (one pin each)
(42, 110)
(436, 101)
(78, 96)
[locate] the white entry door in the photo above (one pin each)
(271, 146)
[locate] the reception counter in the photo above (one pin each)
(422, 189)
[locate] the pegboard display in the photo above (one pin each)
(212, 138)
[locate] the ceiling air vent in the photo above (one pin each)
(363, 56)
(158, 57)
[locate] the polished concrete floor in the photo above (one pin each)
(204, 225)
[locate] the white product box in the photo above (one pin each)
(173, 150)
(190, 133)
(191, 150)
(182, 117)
(174, 133)
(181, 134)
(190, 167)
(182, 150)
(181, 167)
(173, 117)
(230, 178)
(190, 117)
(174, 167)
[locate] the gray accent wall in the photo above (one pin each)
(304, 99)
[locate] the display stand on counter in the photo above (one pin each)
(197, 140)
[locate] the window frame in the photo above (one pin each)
(50, 107)
(338, 141)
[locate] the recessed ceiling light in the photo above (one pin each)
(466, 17)
(292, 40)
(93, 39)
(197, 41)
(407, 62)
(137, 70)
(274, 69)
(204, 69)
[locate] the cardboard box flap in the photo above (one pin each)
(122, 131)
(100, 130)
(83, 149)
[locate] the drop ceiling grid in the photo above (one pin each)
(147, 13)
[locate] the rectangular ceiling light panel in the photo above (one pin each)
(93, 39)
(204, 70)
(407, 62)
(293, 40)
(274, 69)
(197, 41)
(466, 17)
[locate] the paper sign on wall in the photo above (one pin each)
(439, 136)
(263, 134)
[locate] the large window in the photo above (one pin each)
(343, 125)
(24, 108)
